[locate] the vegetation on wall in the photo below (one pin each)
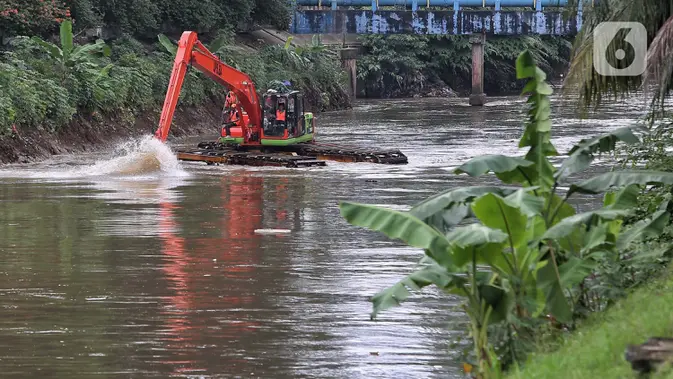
(406, 65)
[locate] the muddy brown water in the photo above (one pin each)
(111, 269)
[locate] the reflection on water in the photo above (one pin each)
(127, 267)
(226, 259)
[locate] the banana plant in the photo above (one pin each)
(170, 47)
(70, 56)
(534, 246)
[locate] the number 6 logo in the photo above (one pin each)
(620, 49)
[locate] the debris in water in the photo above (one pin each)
(272, 231)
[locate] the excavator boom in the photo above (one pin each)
(192, 52)
(286, 140)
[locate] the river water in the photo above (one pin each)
(113, 268)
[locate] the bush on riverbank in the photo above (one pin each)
(43, 88)
(407, 65)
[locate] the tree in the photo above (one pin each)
(657, 16)
(145, 18)
(31, 16)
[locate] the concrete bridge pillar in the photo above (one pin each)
(478, 97)
(349, 63)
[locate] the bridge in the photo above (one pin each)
(436, 17)
(474, 18)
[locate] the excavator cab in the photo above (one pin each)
(284, 119)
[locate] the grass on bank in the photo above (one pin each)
(596, 349)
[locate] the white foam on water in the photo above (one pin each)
(142, 156)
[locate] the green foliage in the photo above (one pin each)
(596, 350)
(69, 57)
(646, 258)
(30, 99)
(272, 12)
(552, 55)
(527, 253)
(312, 69)
(143, 19)
(393, 65)
(209, 15)
(20, 17)
(404, 65)
(48, 83)
(86, 13)
(45, 84)
(581, 156)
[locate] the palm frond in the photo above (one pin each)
(582, 77)
(660, 62)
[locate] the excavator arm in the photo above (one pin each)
(192, 52)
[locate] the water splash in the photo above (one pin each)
(144, 157)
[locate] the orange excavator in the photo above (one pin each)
(277, 132)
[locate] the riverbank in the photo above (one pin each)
(86, 134)
(569, 264)
(626, 300)
(597, 348)
(75, 95)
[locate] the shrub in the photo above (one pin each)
(403, 65)
(30, 99)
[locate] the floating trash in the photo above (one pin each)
(272, 231)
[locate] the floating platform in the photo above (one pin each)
(296, 155)
(248, 158)
(346, 153)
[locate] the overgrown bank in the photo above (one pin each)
(420, 65)
(62, 92)
(597, 349)
(634, 292)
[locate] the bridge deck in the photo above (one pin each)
(434, 22)
(439, 3)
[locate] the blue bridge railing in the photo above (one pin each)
(436, 3)
(452, 17)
